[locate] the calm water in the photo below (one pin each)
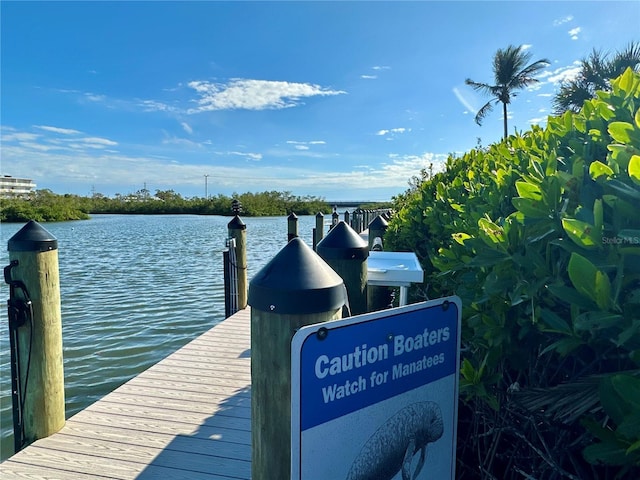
(135, 288)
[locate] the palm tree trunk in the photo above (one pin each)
(504, 113)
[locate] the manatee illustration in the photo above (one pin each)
(392, 447)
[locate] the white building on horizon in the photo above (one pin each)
(15, 187)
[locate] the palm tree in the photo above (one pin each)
(511, 73)
(595, 74)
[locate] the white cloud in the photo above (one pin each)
(526, 46)
(305, 145)
(381, 67)
(369, 77)
(37, 146)
(155, 106)
(94, 98)
(185, 142)
(538, 121)
(254, 94)
(64, 131)
(573, 33)
(19, 137)
(463, 100)
(392, 130)
(97, 141)
(249, 156)
(562, 74)
(561, 21)
(404, 167)
(186, 127)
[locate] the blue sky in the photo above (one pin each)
(343, 100)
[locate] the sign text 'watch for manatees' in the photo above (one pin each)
(374, 397)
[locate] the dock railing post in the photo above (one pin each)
(292, 227)
(318, 232)
(377, 229)
(35, 329)
(346, 252)
(294, 289)
(238, 231)
(378, 297)
(335, 217)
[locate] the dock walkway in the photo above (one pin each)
(187, 417)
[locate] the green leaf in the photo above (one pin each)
(599, 171)
(613, 405)
(628, 334)
(634, 446)
(491, 233)
(528, 190)
(531, 208)
(563, 346)
(582, 233)
(625, 81)
(634, 169)
(556, 323)
(621, 131)
(624, 189)
(571, 296)
(610, 453)
(488, 258)
(591, 321)
(467, 371)
(628, 387)
(460, 237)
(589, 281)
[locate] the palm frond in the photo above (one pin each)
(486, 108)
(565, 402)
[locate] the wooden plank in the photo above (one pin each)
(187, 417)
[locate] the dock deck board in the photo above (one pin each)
(187, 417)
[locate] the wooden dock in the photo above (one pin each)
(187, 417)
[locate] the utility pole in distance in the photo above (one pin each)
(206, 193)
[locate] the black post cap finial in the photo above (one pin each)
(33, 237)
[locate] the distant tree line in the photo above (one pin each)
(46, 206)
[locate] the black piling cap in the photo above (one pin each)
(343, 243)
(378, 223)
(33, 237)
(236, 224)
(296, 281)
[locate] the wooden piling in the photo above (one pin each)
(294, 289)
(377, 229)
(346, 252)
(33, 276)
(292, 227)
(318, 232)
(238, 230)
(378, 297)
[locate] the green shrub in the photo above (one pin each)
(540, 237)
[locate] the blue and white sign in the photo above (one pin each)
(375, 396)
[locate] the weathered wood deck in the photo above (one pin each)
(187, 417)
